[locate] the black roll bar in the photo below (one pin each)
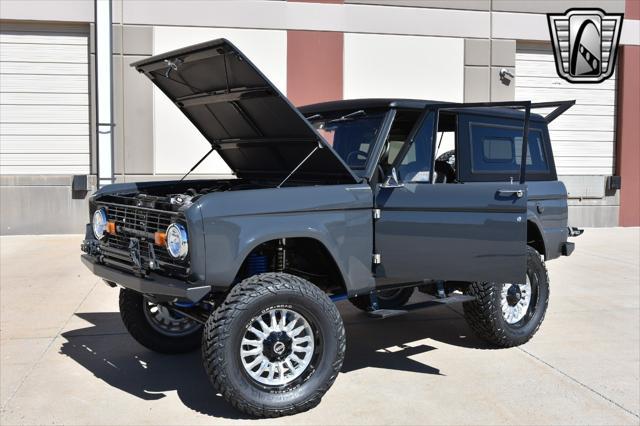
(561, 106)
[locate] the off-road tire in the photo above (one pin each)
(395, 302)
(226, 326)
(484, 315)
(136, 322)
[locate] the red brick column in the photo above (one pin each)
(628, 126)
(314, 64)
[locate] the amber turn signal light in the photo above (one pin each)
(111, 228)
(160, 238)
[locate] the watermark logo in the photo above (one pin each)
(585, 44)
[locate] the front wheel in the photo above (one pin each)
(275, 345)
(508, 315)
(157, 327)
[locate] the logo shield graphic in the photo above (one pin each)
(585, 44)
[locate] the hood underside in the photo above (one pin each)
(255, 128)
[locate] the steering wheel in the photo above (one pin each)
(355, 155)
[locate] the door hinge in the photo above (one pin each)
(376, 213)
(377, 259)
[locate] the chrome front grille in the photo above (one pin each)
(141, 224)
(139, 220)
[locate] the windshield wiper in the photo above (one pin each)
(349, 116)
(314, 117)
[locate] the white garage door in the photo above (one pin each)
(44, 100)
(583, 137)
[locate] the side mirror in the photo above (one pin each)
(392, 180)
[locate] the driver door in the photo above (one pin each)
(472, 231)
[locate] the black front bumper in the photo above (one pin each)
(152, 284)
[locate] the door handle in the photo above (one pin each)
(507, 192)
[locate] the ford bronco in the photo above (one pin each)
(365, 200)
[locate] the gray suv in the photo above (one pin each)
(365, 200)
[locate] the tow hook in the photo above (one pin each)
(575, 232)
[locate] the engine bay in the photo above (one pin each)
(175, 196)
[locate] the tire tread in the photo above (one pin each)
(217, 332)
(484, 315)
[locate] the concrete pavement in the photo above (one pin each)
(66, 358)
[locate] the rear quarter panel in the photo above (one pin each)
(547, 208)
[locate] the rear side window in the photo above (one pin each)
(498, 149)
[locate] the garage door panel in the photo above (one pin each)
(554, 83)
(582, 171)
(580, 109)
(54, 159)
(528, 68)
(52, 99)
(43, 68)
(42, 114)
(43, 38)
(542, 56)
(581, 149)
(536, 69)
(589, 165)
(16, 52)
(571, 135)
(45, 129)
(584, 122)
(45, 169)
(51, 84)
(583, 96)
(44, 99)
(583, 137)
(43, 143)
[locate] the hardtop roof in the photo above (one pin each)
(388, 103)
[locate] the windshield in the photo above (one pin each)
(351, 134)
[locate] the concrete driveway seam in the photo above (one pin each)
(578, 382)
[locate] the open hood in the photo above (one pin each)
(253, 126)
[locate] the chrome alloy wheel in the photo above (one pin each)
(277, 347)
(515, 300)
(166, 322)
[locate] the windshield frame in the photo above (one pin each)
(373, 157)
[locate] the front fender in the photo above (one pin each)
(338, 216)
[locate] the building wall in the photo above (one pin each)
(437, 49)
(629, 129)
(178, 145)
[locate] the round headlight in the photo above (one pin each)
(177, 241)
(99, 223)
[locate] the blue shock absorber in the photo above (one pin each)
(257, 264)
(338, 297)
(184, 304)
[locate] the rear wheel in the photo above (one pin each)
(508, 315)
(275, 345)
(389, 299)
(157, 327)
